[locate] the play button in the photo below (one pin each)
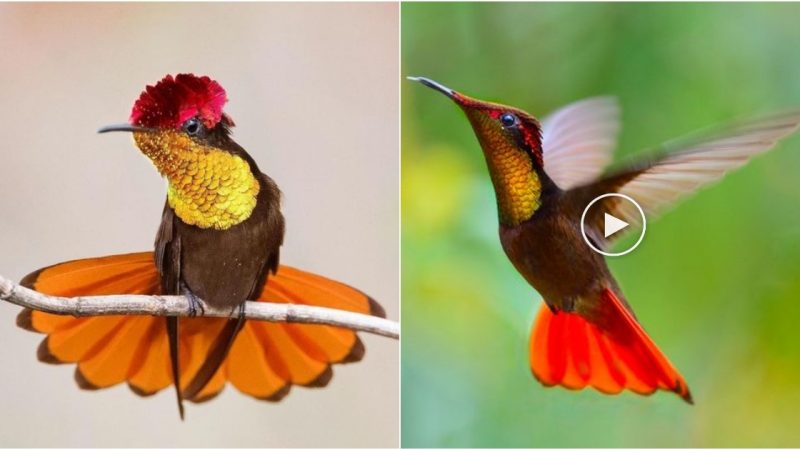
(606, 216)
(611, 224)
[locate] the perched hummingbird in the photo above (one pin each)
(544, 176)
(219, 241)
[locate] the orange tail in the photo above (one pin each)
(265, 360)
(568, 350)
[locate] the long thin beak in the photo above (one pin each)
(434, 85)
(123, 127)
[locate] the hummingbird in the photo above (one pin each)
(219, 240)
(545, 175)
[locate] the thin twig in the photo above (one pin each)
(174, 305)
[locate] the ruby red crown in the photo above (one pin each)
(172, 101)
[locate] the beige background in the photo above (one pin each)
(313, 91)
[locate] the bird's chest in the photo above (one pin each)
(223, 267)
(551, 255)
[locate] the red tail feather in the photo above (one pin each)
(568, 350)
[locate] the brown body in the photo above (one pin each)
(223, 268)
(549, 252)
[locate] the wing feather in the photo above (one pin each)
(684, 167)
(578, 140)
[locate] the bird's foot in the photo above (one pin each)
(568, 305)
(195, 304)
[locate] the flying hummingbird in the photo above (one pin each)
(544, 176)
(219, 241)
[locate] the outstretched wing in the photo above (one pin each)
(684, 167)
(579, 139)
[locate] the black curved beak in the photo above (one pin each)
(436, 86)
(123, 127)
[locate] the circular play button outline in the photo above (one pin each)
(600, 197)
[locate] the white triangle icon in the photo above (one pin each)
(611, 224)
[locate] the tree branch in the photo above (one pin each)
(176, 305)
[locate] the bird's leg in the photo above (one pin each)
(568, 304)
(195, 304)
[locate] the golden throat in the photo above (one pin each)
(516, 184)
(208, 187)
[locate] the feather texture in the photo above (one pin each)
(578, 140)
(685, 166)
(264, 361)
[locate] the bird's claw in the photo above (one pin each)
(195, 305)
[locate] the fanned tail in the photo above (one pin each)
(215, 358)
(568, 350)
(264, 360)
(108, 350)
(267, 358)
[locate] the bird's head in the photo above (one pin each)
(512, 145)
(180, 126)
(497, 127)
(178, 114)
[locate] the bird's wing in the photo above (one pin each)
(685, 166)
(578, 140)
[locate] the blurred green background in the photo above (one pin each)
(716, 282)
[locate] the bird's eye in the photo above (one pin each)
(508, 120)
(192, 126)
